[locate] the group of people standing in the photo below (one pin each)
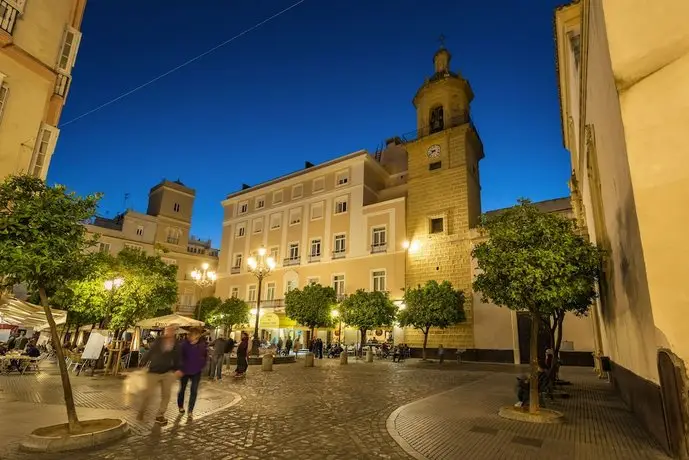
(169, 359)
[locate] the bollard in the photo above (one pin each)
(369, 356)
(308, 360)
(267, 362)
(343, 357)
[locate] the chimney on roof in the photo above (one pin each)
(308, 165)
(245, 186)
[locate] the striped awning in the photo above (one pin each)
(21, 313)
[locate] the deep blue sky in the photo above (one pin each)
(324, 79)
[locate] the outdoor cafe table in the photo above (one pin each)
(6, 363)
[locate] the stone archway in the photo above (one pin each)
(673, 389)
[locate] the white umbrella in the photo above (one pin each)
(169, 320)
(20, 313)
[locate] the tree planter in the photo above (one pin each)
(523, 415)
(56, 438)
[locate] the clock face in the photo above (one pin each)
(433, 151)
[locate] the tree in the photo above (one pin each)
(538, 263)
(148, 289)
(433, 305)
(229, 312)
(207, 306)
(367, 311)
(311, 306)
(43, 244)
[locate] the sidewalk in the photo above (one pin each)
(32, 401)
(463, 423)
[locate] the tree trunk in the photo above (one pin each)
(311, 340)
(425, 342)
(558, 344)
(363, 338)
(533, 381)
(72, 420)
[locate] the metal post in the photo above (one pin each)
(256, 343)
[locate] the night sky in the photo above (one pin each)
(322, 80)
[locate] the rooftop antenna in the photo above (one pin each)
(126, 201)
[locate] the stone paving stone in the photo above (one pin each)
(341, 412)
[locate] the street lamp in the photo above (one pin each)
(260, 267)
(112, 286)
(336, 314)
(203, 279)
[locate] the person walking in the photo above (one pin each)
(165, 359)
(280, 344)
(242, 356)
(441, 353)
(194, 351)
(288, 346)
(218, 360)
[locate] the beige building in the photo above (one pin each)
(164, 229)
(399, 217)
(39, 40)
(623, 76)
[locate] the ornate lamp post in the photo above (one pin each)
(203, 279)
(112, 286)
(336, 314)
(260, 267)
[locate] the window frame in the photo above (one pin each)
(279, 220)
(242, 208)
(139, 230)
(249, 290)
(344, 281)
(234, 292)
(321, 182)
(253, 226)
(240, 256)
(240, 226)
(345, 201)
(48, 154)
(260, 199)
(275, 257)
(377, 229)
(344, 239)
(5, 97)
(290, 246)
(269, 285)
(338, 174)
(280, 194)
(73, 51)
(373, 279)
(295, 211)
(316, 241)
(104, 247)
(301, 193)
(317, 205)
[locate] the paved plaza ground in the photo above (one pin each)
(358, 411)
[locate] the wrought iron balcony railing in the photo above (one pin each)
(377, 248)
(8, 16)
(339, 254)
(314, 258)
(235, 270)
(62, 85)
(291, 261)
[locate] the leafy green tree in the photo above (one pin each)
(230, 312)
(206, 306)
(43, 245)
(433, 305)
(367, 311)
(535, 262)
(311, 306)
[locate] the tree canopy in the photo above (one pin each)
(311, 306)
(368, 310)
(207, 306)
(432, 305)
(536, 262)
(228, 313)
(43, 244)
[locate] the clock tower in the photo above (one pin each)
(444, 195)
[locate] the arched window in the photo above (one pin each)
(437, 119)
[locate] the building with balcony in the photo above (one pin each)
(39, 41)
(622, 70)
(163, 229)
(398, 217)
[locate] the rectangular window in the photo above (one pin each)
(258, 225)
(237, 261)
(241, 230)
(315, 248)
(435, 165)
(274, 253)
(339, 285)
(341, 178)
(4, 94)
(295, 216)
(379, 237)
(294, 251)
(340, 245)
(275, 221)
(243, 208)
(176, 207)
(379, 280)
(270, 291)
(234, 292)
(251, 293)
(277, 197)
(291, 285)
(104, 247)
(168, 261)
(318, 185)
(437, 225)
(43, 150)
(297, 191)
(313, 280)
(68, 51)
(134, 247)
(317, 211)
(341, 206)
(140, 230)
(260, 203)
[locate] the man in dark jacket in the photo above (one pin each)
(165, 364)
(218, 359)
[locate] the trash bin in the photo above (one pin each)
(267, 362)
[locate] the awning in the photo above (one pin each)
(20, 313)
(169, 320)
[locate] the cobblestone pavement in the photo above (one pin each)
(463, 423)
(326, 412)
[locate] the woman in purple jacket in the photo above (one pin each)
(194, 352)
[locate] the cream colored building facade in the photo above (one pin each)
(344, 223)
(39, 41)
(164, 229)
(624, 93)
